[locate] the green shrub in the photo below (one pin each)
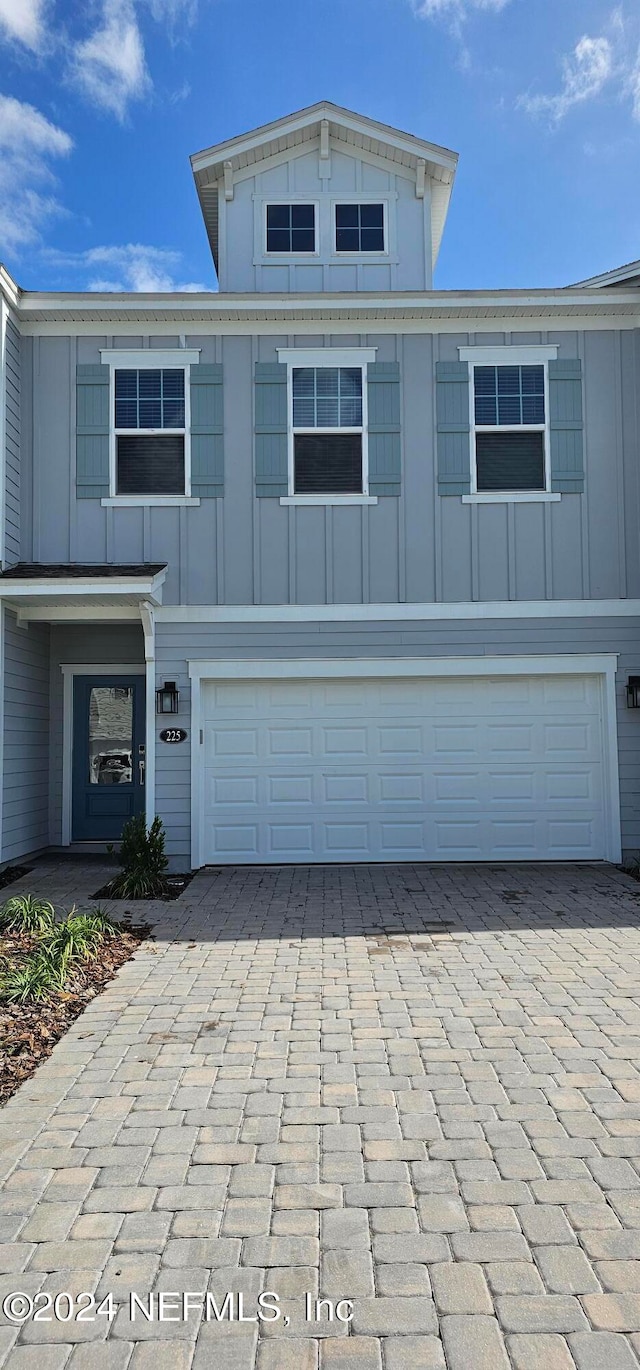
(143, 861)
(26, 913)
(31, 982)
(61, 946)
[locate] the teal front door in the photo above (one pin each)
(108, 755)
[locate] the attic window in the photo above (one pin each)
(291, 228)
(360, 228)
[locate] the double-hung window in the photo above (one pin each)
(509, 435)
(150, 431)
(328, 430)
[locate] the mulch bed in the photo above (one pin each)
(11, 873)
(175, 886)
(29, 1032)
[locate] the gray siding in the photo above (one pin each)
(12, 444)
(418, 548)
(176, 643)
(406, 265)
(25, 779)
(82, 645)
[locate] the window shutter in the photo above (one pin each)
(452, 411)
(566, 426)
(383, 398)
(271, 418)
(207, 431)
(92, 432)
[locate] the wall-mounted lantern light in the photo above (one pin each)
(633, 692)
(167, 698)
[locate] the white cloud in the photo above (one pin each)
(633, 87)
(23, 21)
(132, 266)
(586, 72)
(172, 12)
(27, 186)
(455, 9)
(110, 66)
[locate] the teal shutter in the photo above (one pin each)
(272, 446)
(92, 432)
(566, 426)
(383, 399)
(207, 431)
(452, 413)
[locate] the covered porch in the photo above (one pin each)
(77, 726)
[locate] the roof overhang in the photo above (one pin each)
(79, 598)
(298, 133)
(628, 275)
(212, 312)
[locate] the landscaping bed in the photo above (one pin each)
(43, 988)
(173, 887)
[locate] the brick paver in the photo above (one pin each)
(412, 1087)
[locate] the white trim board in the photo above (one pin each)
(601, 665)
(363, 668)
(526, 355)
(69, 671)
(356, 319)
(404, 613)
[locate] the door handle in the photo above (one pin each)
(141, 772)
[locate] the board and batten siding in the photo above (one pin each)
(25, 778)
(12, 444)
(176, 643)
(420, 547)
(407, 265)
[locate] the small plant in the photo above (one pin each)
(143, 861)
(26, 913)
(76, 939)
(32, 982)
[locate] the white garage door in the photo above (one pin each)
(384, 770)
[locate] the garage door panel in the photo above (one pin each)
(473, 769)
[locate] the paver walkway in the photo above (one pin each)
(415, 1087)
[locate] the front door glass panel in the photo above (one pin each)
(111, 735)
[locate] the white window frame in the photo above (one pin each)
(355, 357)
(148, 359)
(509, 356)
(296, 199)
(360, 198)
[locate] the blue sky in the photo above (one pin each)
(102, 101)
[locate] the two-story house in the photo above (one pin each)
(327, 566)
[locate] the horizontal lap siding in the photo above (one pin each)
(25, 802)
(177, 643)
(12, 437)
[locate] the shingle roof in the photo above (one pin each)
(33, 570)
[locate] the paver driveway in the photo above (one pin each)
(416, 1087)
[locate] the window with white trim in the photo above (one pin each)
(150, 431)
(291, 228)
(327, 409)
(509, 433)
(360, 227)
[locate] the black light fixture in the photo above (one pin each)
(633, 692)
(167, 698)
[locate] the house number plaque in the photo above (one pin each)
(173, 735)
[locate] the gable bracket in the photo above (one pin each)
(421, 175)
(228, 181)
(324, 169)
